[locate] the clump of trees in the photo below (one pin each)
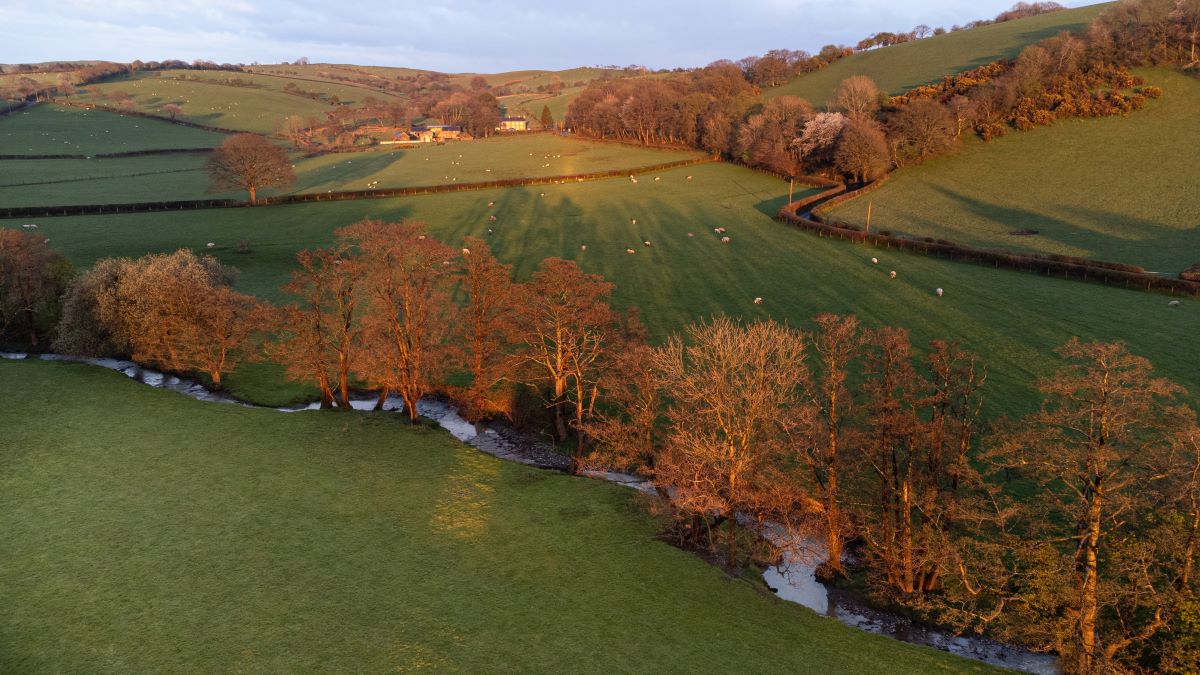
(175, 311)
(33, 277)
(1074, 529)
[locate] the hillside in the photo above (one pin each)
(1116, 188)
(904, 66)
(680, 279)
(47, 130)
(253, 540)
(207, 97)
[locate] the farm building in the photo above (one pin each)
(432, 133)
(513, 124)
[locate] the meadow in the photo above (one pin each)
(182, 176)
(1115, 188)
(148, 532)
(257, 109)
(59, 130)
(1014, 320)
(901, 67)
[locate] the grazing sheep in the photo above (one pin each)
(542, 195)
(646, 243)
(758, 301)
(466, 251)
(210, 245)
(633, 221)
(629, 250)
(874, 261)
(421, 237)
(489, 230)
(492, 219)
(724, 240)
(892, 274)
(491, 203)
(690, 234)
(689, 177)
(657, 178)
(583, 248)
(940, 292)
(1173, 303)
(29, 226)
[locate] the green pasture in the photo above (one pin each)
(530, 105)
(58, 182)
(147, 532)
(497, 158)
(902, 67)
(243, 108)
(58, 130)
(1013, 320)
(1116, 188)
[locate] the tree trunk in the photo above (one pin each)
(560, 397)
(1088, 590)
(383, 394)
(253, 192)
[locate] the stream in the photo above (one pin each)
(793, 580)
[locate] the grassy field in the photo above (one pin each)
(901, 67)
(530, 105)
(1013, 319)
(221, 539)
(49, 129)
(255, 109)
(169, 177)
(1117, 188)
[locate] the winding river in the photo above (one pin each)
(793, 580)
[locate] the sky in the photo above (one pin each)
(459, 36)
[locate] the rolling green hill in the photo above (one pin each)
(1116, 188)
(901, 67)
(147, 532)
(1013, 319)
(47, 129)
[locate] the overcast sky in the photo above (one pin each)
(463, 36)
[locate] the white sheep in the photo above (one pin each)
(542, 195)
(466, 251)
(689, 177)
(210, 245)
(633, 221)
(1173, 303)
(657, 178)
(491, 203)
(874, 261)
(583, 248)
(892, 274)
(758, 301)
(629, 250)
(724, 240)
(489, 230)
(691, 234)
(646, 243)
(939, 292)
(492, 219)
(29, 226)
(421, 237)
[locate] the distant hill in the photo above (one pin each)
(904, 66)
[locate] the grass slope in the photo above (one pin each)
(1014, 320)
(217, 539)
(901, 67)
(254, 109)
(49, 129)
(168, 177)
(1117, 188)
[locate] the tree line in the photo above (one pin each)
(1074, 528)
(866, 133)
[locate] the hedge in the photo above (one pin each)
(1081, 269)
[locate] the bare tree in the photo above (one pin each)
(858, 96)
(249, 162)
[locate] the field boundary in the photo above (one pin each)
(1079, 269)
(195, 204)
